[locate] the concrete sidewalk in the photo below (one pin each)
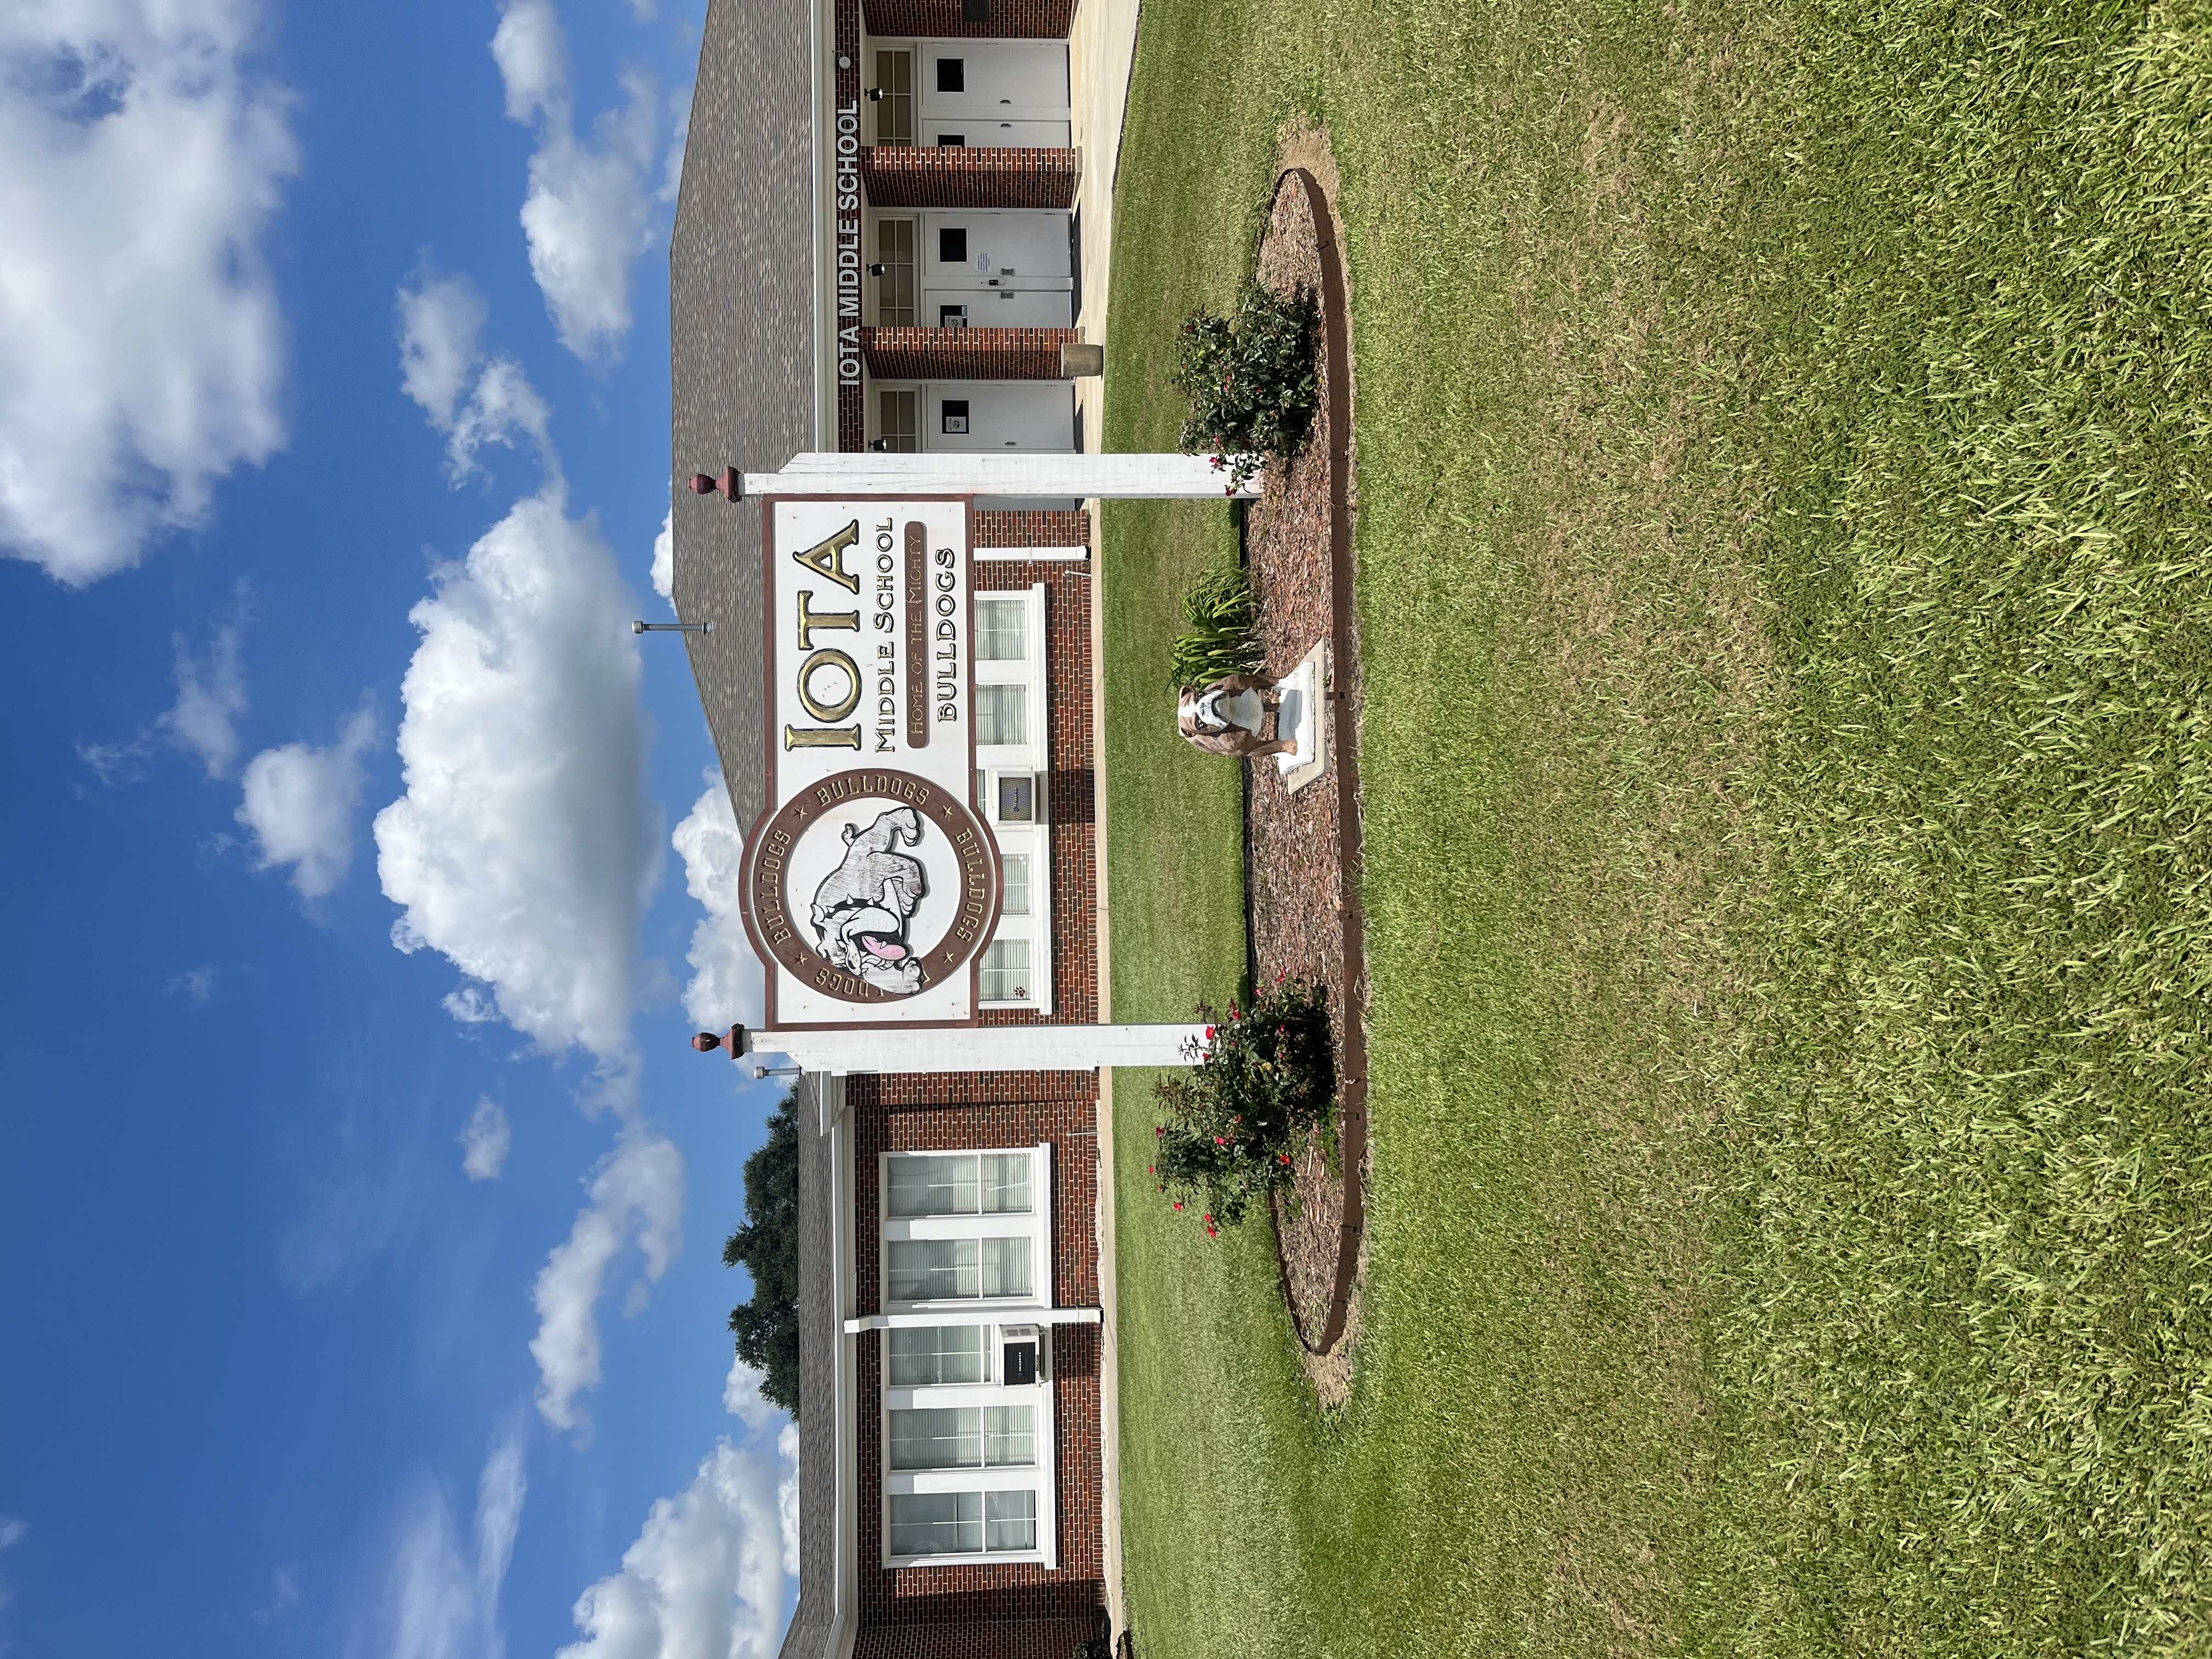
(1101, 50)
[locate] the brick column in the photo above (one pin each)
(1003, 19)
(961, 175)
(1008, 527)
(964, 354)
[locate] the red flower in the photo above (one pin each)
(1219, 1141)
(1209, 1034)
(1178, 1203)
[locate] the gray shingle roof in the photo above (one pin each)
(741, 300)
(741, 305)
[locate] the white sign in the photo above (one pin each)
(871, 883)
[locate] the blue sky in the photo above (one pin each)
(360, 1199)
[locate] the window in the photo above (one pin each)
(951, 141)
(1002, 629)
(1007, 970)
(955, 416)
(895, 425)
(958, 1269)
(953, 75)
(963, 1437)
(894, 90)
(935, 1356)
(952, 317)
(894, 281)
(966, 1425)
(952, 247)
(962, 1522)
(1002, 713)
(960, 1183)
(1011, 712)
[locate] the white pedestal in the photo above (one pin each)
(1302, 717)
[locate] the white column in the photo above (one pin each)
(980, 1047)
(1019, 472)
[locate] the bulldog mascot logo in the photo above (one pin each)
(861, 910)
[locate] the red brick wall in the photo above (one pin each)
(1012, 1610)
(852, 400)
(964, 354)
(1027, 1638)
(966, 175)
(1010, 19)
(995, 528)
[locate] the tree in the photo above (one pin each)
(767, 1326)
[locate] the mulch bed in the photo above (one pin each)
(1303, 887)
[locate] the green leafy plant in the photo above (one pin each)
(1249, 379)
(1220, 641)
(767, 1325)
(1263, 1079)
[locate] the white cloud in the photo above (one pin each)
(299, 803)
(524, 849)
(197, 984)
(503, 405)
(786, 1495)
(141, 344)
(210, 696)
(636, 1198)
(532, 55)
(485, 1140)
(742, 1400)
(202, 722)
(727, 986)
(663, 558)
(283, 1593)
(470, 1007)
(440, 320)
(14, 1529)
(672, 170)
(705, 1579)
(438, 1602)
(587, 217)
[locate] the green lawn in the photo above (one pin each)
(1784, 479)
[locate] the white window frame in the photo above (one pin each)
(1030, 754)
(1036, 1226)
(995, 1315)
(1033, 756)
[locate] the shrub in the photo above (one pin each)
(1249, 379)
(1220, 642)
(1264, 1079)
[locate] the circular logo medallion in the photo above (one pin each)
(871, 885)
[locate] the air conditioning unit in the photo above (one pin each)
(1017, 1356)
(1019, 798)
